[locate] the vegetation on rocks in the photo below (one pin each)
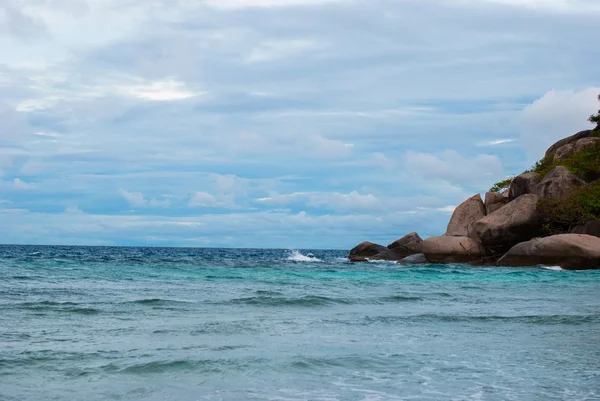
(561, 215)
(584, 164)
(595, 119)
(502, 185)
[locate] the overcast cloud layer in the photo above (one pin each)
(277, 123)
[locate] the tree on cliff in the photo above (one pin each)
(595, 118)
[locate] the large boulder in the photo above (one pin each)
(591, 227)
(365, 250)
(569, 140)
(516, 222)
(523, 184)
(417, 259)
(410, 244)
(564, 152)
(557, 183)
(494, 201)
(585, 143)
(465, 216)
(569, 251)
(447, 249)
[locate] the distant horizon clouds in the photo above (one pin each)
(285, 124)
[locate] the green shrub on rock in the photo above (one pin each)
(502, 185)
(582, 205)
(584, 164)
(595, 119)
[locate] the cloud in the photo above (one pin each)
(203, 199)
(451, 166)
(137, 199)
(240, 4)
(220, 105)
(497, 142)
(165, 90)
(556, 115)
(350, 202)
(22, 185)
(276, 49)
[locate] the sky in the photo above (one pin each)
(277, 123)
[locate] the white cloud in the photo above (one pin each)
(447, 209)
(239, 4)
(276, 49)
(496, 142)
(137, 199)
(554, 116)
(22, 185)
(202, 199)
(579, 6)
(74, 210)
(453, 167)
(339, 202)
(165, 90)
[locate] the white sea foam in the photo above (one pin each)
(296, 256)
(387, 262)
(555, 268)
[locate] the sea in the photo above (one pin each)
(183, 324)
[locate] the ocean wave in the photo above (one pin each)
(296, 256)
(156, 301)
(60, 307)
(554, 268)
(307, 301)
(526, 319)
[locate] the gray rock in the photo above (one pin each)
(516, 222)
(417, 259)
(585, 143)
(571, 139)
(465, 216)
(564, 152)
(569, 251)
(591, 227)
(447, 249)
(407, 245)
(494, 201)
(366, 250)
(557, 183)
(523, 184)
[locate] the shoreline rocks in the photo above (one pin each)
(508, 227)
(448, 249)
(406, 246)
(465, 216)
(569, 251)
(515, 222)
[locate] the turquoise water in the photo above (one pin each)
(79, 323)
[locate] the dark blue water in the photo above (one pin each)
(80, 323)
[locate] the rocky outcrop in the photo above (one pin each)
(410, 244)
(566, 141)
(448, 249)
(523, 184)
(557, 183)
(465, 216)
(516, 222)
(569, 251)
(366, 250)
(585, 143)
(494, 201)
(417, 259)
(591, 227)
(564, 152)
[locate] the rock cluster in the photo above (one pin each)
(506, 229)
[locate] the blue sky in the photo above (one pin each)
(277, 123)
